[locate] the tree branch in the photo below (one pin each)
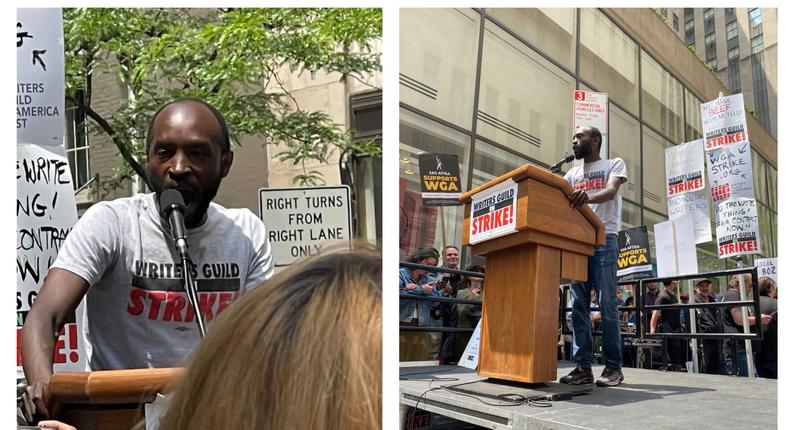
(119, 143)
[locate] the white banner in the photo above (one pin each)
(493, 212)
(685, 168)
(676, 252)
(40, 95)
(300, 221)
(767, 267)
(695, 205)
(723, 122)
(730, 172)
(737, 229)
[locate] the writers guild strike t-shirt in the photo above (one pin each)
(592, 178)
(137, 313)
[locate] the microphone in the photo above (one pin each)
(171, 207)
(556, 166)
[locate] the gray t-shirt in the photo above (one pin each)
(136, 312)
(592, 178)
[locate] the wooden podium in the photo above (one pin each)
(524, 270)
(107, 399)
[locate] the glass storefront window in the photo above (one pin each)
(708, 258)
(662, 99)
(630, 216)
(608, 59)
(552, 31)
(491, 162)
(438, 60)
(759, 178)
(424, 226)
(624, 143)
(654, 192)
(693, 117)
(771, 176)
(766, 238)
(526, 103)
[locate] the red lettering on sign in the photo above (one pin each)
(719, 141)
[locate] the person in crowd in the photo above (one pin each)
(708, 321)
(649, 299)
(597, 182)
(448, 285)
(732, 318)
(668, 321)
(420, 282)
(469, 314)
(302, 351)
(629, 317)
(120, 257)
(766, 359)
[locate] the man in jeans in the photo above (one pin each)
(597, 182)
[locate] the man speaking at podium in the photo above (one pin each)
(596, 182)
(121, 257)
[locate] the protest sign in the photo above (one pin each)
(685, 167)
(767, 267)
(493, 212)
(737, 230)
(676, 252)
(440, 179)
(45, 214)
(633, 259)
(40, 96)
(301, 221)
(471, 354)
(730, 172)
(723, 122)
(694, 205)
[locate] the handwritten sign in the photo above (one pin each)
(301, 221)
(767, 267)
(694, 205)
(685, 167)
(493, 212)
(723, 122)
(45, 213)
(730, 172)
(40, 96)
(737, 230)
(676, 252)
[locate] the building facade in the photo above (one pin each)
(495, 87)
(740, 45)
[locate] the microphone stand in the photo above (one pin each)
(190, 286)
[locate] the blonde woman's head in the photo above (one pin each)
(301, 351)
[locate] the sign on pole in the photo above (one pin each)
(493, 212)
(301, 221)
(676, 252)
(40, 94)
(590, 109)
(730, 171)
(767, 267)
(633, 259)
(737, 229)
(440, 179)
(694, 205)
(723, 122)
(45, 213)
(685, 168)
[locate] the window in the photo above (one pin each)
(712, 64)
(76, 143)
(693, 117)
(755, 17)
(729, 14)
(675, 22)
(365, 121)
(734, 76)
(710, 38)
(761, 108)
(663, 11)
(707, 14)
(732, 54)
(732, 30)
(662, 100)
(608, 59)
(438, 58)
(757, 44)
(553, 31)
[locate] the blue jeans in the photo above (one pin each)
(601, 276)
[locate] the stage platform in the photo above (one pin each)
(647, 399)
